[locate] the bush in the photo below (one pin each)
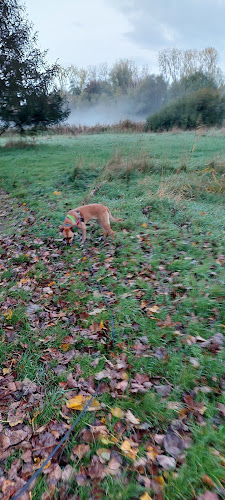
(204, 107)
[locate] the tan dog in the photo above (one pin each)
(81, 215)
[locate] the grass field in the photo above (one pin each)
(163, 277)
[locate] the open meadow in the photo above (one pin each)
(156, 429)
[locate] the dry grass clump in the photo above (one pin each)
(18, 144)
(122, 167)
(128, 126)
(122, 126)
(175, 189)
(79, 129)
(214, 176)
(190, 185)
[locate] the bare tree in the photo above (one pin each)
(175, 63)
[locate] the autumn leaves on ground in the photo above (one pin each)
(155, 429)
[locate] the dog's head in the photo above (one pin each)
(68, 233)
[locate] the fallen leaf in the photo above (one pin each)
(153, 309)
(96, 469)
(6, 371)
(128, 450)
(163, 390)
(103, 374)
(158, 484)
(221, 408)
(117, 412)
(122, 386)
(131, 418)
(173, 444)
(113, 467)
(194, 362)
(208, 495)
(207, 480)
(98, 310)
(68, 473)
(146, 496)
(103, 454)
(76, 403)
(151, 453)
(79, 402)
(166, 462)
(81, 450)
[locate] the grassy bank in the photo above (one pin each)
(163, 278)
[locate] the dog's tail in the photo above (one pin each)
(113, 218)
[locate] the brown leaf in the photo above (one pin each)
(144, 481)
(208, 495)
(159, 438)
(16, 415)
(68, 473)
(131, 418)
(207, 480)
(4, 441)
(8, 488)
(27, 456)
(82, 479)
(194, 362)
(103, 374)
(166, 462)
(96, 470)
(122, 386)
(173, 444)
(112, 467)
(221, 408)
(14, 469)
(163, 390)
(81, 450)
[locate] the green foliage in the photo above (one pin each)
(149, 96)
(189, 84)
(27, 93)
(204, 107)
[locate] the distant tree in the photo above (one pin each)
(175, 64)
(188, 84)
(95, 88)
(204, 107)
(123, 75)
(150, 95)
(28, 96)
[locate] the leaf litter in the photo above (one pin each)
(116, 440)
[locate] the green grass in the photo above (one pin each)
(166, 252)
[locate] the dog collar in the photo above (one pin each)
(72, 218)
(80, 218)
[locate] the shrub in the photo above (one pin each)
(204, 107)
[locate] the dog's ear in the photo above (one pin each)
(60, 228)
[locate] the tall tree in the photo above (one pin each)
(123, 75)
(175, 64)
(28, 96)
(189, 84)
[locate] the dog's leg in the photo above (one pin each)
(109, 232)
(82, 226)
(105, 224)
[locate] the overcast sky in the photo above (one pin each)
(88, 32)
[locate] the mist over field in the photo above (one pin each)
(103, 115)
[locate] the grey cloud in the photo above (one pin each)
(156, 24)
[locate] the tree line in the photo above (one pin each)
(36, 94)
